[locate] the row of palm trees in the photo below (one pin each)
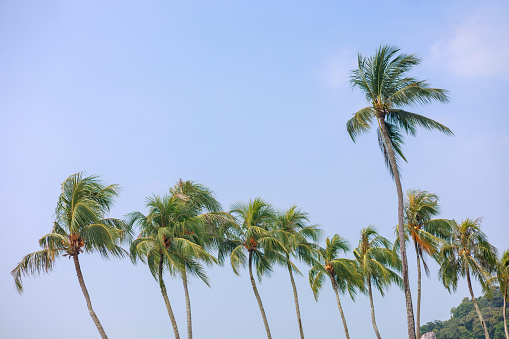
(183, 229)
(389, 90)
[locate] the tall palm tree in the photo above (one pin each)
(200, 207)
(467, 253)
(343, 273)
(388, 89)
(80, 227)
(502, 278)
(166, 242)
(425, 232)
(376, 261)
(253, 234)
(296, 232)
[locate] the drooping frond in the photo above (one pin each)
(413, 92)
(396, 140)
(360, 123)
(33, 264)
(409, 121)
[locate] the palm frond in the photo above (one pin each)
(33, 264)
(360, 123)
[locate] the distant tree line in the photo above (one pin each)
(464, 323)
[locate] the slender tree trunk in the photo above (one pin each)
(477, 310)
(87, 297)
(255, 290)
(373, 310)
(418, 312)
(335, 287)
(504, 312)
(401, 232)
(188, 307)
(295, 299)
(167, 300)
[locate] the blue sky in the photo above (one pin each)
(250, 99)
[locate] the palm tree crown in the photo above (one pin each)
(383, 80)
(79, 227)
(467, 253)
(343, 273)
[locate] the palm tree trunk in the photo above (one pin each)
(255, 290)
(295, 298)
(188, 307)
(335, 287)
(401, 232)
(504, 312)
(477, 310)
(87, 297)
(167, 300)
(418, 312)
(373, 310)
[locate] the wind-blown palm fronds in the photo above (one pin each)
(426, 233)
(172, 237)
(467, 253)
(343, 273)
(376, 262)
(253, 233)
(80, 227)
(296, 234)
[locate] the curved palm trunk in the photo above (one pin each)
(418, 312)
(295, 299)
(401, 232)
(87, 297)
(373, 310)
(504, 312)
(188, 307)
(335, 287)
(255, 290)
(167, 300)
(477, 310)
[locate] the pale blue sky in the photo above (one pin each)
(250, 99)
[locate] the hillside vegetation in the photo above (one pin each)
(464, 323)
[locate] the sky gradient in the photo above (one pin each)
(250, 99)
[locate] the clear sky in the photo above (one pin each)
(250, 99)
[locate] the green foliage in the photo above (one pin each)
(175, 230)
(344, 273)
(80, 226)
(253, 234)
(464, 323)
(384, 81)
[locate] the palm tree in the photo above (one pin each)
(468, 252)
(425, 232)
(296, 232)
(201, 208)
(383, 80)
(80, 226)
(375, 260)
(252, 233)
(168, 242)
(342, 272)
(502, 278)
